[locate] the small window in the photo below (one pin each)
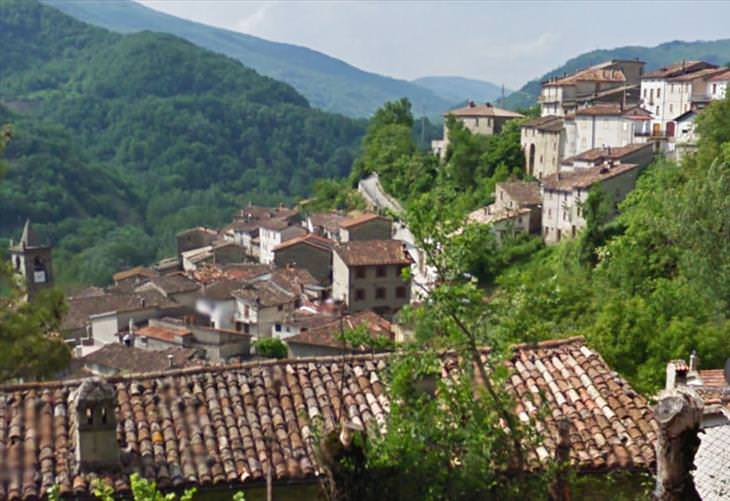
(714, 88)
(359, 294)
(89, 416)
(246, 311)
(476, 122)
(103, 415)
(360, 272)
(277, 327)
(381, 271)
(400, 292)
(550, 212)
(670, 107)
(380, 293)
(280, 307)
(658, 93)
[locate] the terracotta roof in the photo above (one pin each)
(221, 290)
(199, 229)
(584, 178)
(206, 426)
(310, 239)
(130, 360)
(327, 334)
(482, 110)
(292, 232)
(601, 155)
(79, 309)
(614, 109)
(598, 73)
(254, 212)
(274, 223)
(164, 333)
(174, 283)
(293, 279)
(721, 76)
(373, 252)
(328, 220)
(706, 73)
(361, 219)
(523, 192)
(137, 271)
(677, 69)
(265, 294)
(548, 123)
(714, 377)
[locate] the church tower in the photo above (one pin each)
(31, 259)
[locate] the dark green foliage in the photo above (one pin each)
(327, 83)
(271, 347)
(147, 134)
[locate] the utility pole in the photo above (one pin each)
(501, 103)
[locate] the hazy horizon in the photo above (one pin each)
(505, 43)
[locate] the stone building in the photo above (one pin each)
(310, 252)
(543, 142)
(516, 209)
(367, 275)
(484, 119)
(32, 260)
(564, 193)
(366, 226)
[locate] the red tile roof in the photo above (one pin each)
(309, 239)
(483, 110)
(167, 334)
(522, 192)
(600, 155)
(328, 334)
(137, 271)
(361, 219)
(721, 76)
(206, 426)
(678, 68)
(373, 252)
(584, 178)
(598, 73)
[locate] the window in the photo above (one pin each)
(550, 212)
(658, 93)
(714, 88)
(476, 122)
(565, 215)
(670, 107)
(381, 271)
(400, 292)
(246, 311)
(380, 293)
(280, 307)
(277, 327)
(644, 93)
(657, 110)
(359, 294)
(360, 272)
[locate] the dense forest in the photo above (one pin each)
(119, 141)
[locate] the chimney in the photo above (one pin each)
(694, 362)
(170, 360)
(94, 426)
(471, 104)
(131, 326)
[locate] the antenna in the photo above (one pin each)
(501, 103)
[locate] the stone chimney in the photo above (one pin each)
(94, 426)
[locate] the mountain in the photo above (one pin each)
(328, 83)
(459, 89)
(716, 52)
(122, 140)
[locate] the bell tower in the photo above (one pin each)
(32, 260)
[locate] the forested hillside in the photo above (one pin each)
(121, 140)
(328, 83)
(717, 52)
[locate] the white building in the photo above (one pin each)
(608, 81)
(718, 85)
(670, 91)
(543, 143)
(273, 232)
(604, 125)
(564, 193)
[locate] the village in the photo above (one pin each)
(261, 320)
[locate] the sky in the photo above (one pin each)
(502, 42)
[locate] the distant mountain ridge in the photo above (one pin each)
(459, 89)
(716, 52)
(328, 83)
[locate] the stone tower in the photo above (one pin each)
(31, 259)
(94, 426)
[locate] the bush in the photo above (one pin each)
(271, 348)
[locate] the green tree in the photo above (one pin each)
(28, 350)
(271, 348)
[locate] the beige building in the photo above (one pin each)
(484, 119)
(366, 227)
(367, 274)
(564, 193)
(605, 82)
(543, 142)
(516, 209)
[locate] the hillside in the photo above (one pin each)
(459, 89)
(328, 83)
(145, 130)
(717, 52)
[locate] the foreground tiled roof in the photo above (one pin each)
(80, 308)
(126, 359)
(373, 252)
(207, 426)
